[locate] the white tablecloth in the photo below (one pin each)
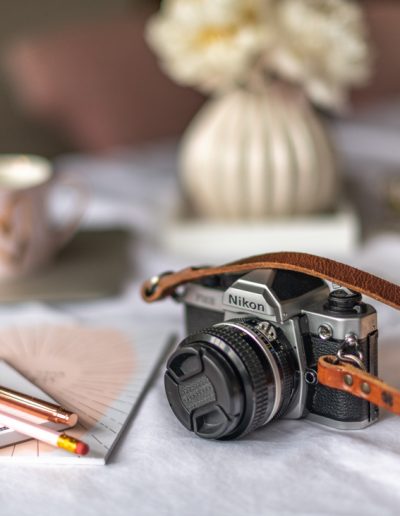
(289, 467)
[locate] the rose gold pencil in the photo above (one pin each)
(36, 407)
(60, 440)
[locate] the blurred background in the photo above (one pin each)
(79, 75)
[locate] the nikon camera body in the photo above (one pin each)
(252, 351)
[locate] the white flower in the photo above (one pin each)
(213, 44)
(209, 44)
(322, 45)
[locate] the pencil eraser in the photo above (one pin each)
(82, 449)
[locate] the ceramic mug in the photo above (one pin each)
(29, 237)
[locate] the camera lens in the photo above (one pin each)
(230, 379)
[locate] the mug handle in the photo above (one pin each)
(65, 233)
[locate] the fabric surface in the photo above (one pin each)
(159, 468)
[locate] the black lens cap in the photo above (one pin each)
(219, 383)
(204, 391)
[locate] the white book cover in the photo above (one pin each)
(205, 241)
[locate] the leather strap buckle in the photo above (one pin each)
(348, 378)
(153, 283)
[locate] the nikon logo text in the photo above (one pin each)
(245, 303)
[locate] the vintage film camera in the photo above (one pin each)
(252, 351)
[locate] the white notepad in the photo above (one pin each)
(98, 370)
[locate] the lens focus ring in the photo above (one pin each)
(239, 342)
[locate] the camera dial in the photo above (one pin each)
(227, 380)
(344, 301)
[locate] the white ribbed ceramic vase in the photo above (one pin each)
(258, 154)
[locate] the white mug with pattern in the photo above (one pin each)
(29, 238)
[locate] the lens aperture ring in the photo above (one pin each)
(282, 353)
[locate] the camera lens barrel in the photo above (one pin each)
(230, 379)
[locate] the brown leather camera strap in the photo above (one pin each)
(165, 285)
(348, 378)
(342, 376)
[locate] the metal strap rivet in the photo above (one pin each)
(365, 387)
(348, 379)
(387, 398)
